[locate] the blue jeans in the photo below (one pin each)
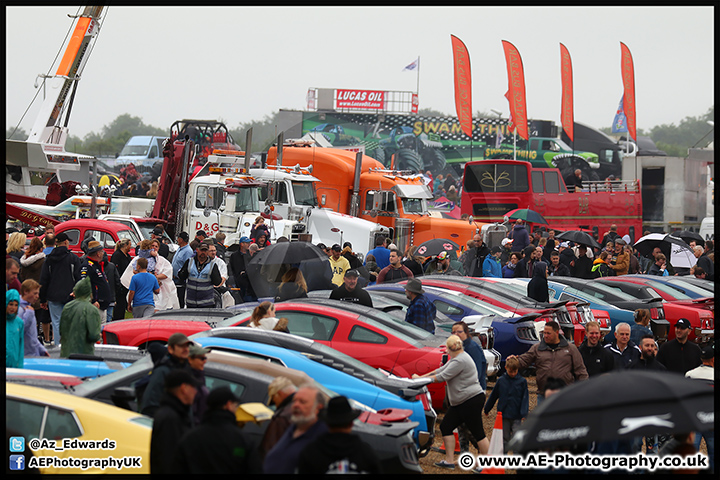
(710, 442)
(55, 309)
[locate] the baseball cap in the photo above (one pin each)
(495, 249)
(352, 273)
(708, 352)
(61, 237)
(184, 236)
(157, 231)
(197, 350)
(442, 255)
(505, 241)
(683, 323)
(244, 239)
(337, 248)
(179, 376)
(203, 246)
(347, 244)
(179, 339)
(220, 396)
(565, 244)
(200, 233)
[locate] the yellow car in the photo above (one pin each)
(68, 434)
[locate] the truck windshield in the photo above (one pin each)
(414, 205)
(304, 193)
(246, 200)
(485, 177)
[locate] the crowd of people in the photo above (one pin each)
(54, 297)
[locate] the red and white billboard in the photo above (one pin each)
(367, 99)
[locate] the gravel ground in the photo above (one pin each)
(427, 462)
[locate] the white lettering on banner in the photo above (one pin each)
(371, 99)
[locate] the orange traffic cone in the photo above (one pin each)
(496, 445)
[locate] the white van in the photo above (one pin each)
(707, 228)
(142, 151)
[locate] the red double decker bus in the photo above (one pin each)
(491, 188)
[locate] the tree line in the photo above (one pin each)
(690, 132)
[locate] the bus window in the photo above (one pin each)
(495, 177)
(537, 182)
(552, 182)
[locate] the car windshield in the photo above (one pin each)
(100, 383)
(475, 304)
(134, 150)
(128, 234)
(304, 193)
(588, 298)
(146, 229)
(414, 205)
(610, 291)
(691, 288)
(672, 291)
(236, 320)
(517, 288)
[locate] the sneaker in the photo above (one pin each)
(444, 464)
(477, 470)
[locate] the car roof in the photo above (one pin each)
(89, 222)
(68, 401)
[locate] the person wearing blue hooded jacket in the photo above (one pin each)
(491, 265)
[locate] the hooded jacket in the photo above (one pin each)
(60, 272)
(511, 395)
(31, 267)
(14, 332)
(601, 268)
(537, 288)
(561, 361)
(80, 322)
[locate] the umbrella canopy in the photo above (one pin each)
(618, 405)
(267, 267)
(676, 251)
(530, 216)
(433, 247)
(688, 236)
(578, 236)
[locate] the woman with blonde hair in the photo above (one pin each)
(293, 286)
(466, 398)
(15, 245)
(413, 262)
(263, 317)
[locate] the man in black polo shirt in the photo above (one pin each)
(350, 292)
(679, 354)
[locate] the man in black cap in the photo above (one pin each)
(350, 292)
(157, 233)
(178, 351)
(172, 420)
(679, 354)
(339, 450)
(421, 312)
(217, 445)
(338, 264)
(200, 235)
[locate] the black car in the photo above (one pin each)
(407, 389)
(393, 443)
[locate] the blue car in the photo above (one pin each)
(680, 287)
(513, 335)
(84, 369)
(340, 382)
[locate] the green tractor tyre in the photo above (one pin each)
(407, 159)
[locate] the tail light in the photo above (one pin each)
(526, 333)
(654, 313)
(425, 399)
(483, 340)
(408, 454)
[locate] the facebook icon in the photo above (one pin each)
(17, 462)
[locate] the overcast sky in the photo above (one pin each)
(240, 64)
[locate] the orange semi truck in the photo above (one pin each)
(359, 185)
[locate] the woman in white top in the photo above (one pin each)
(465, 396)
(167, 298)
(263, 317)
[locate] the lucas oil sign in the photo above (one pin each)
(370, 99)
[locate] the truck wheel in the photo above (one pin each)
(408, 160)
(434, 160)
(379, 155)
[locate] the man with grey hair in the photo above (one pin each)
(704, 262)
(305, 427)
(626, 352)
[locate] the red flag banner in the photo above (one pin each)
(628, 77)
(463, 85)
(516, 89)
(567, 116)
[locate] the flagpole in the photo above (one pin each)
(417, 89)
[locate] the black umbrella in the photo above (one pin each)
(267, 267)
(431, 248)
(676, 251)
(688, 236)
(618, 405)
(578, 236)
